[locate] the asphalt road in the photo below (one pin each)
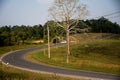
(16, 59)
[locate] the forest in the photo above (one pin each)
(18, 34)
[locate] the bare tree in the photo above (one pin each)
(65, 11)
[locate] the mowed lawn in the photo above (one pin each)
(97, 56)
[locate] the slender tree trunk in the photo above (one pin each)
(48, 42)
(44, 39)
(68, 46)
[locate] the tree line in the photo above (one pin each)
(103, 25)
(16, 35)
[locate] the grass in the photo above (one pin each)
(84, 61)
(6, 49)
(98, 56)
(9, 73)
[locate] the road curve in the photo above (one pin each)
(16, 59)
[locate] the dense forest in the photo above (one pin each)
(103, 25)
(16, 35)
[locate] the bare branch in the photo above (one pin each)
(66, 10)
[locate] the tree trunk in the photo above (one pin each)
(68, 46)
(48, 42)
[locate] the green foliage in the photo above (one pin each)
(103, 25)
(18, 34)
(55, 30)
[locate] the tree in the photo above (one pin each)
(5, 35)
(103, 25)
(38, 31)
(52, 28)
(64, 11)
(55, 30)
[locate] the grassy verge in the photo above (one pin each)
(6, 49)
(99, 56)
(8, 73)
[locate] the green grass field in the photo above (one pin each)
(9, 73)
(98, 56)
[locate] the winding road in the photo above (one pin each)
(16, 59)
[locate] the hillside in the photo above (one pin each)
(95, 55)
(85, 37)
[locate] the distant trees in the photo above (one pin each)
(103, 25)
(15, 35)
(5, 35)
(18, 34)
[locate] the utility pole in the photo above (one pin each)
(48, 41)
(44, 39)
